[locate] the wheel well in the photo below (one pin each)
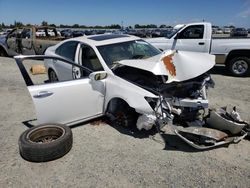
(237, 53)
(114, 102)
(4, 51)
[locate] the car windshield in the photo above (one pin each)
(137, 49)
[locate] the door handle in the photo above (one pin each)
(201, 43)
(43, 94)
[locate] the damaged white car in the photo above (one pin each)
(120, 76)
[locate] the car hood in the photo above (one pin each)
(177, 65)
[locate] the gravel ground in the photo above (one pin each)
(105, 156)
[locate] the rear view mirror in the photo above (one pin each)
(100, 75)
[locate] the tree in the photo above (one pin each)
(18, 24)
(137, 26)
(115, 26)
(44, 23)
(75, 26)
(163, 26)
(52, 25)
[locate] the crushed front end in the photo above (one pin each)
(183, 103)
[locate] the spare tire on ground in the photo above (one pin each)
(45, 142)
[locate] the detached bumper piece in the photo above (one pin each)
(203, 138)
(218, 122)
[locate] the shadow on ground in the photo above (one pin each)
(170, 142)
(220, 70)
(30, 123)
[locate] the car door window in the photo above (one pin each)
(67, 50)
(192, 32)
(89, 59)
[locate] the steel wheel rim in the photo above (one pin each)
(46, 134)
(240, 67)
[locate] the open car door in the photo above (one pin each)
(67, 102)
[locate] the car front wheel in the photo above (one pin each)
(123, 115)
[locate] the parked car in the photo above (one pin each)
(123, 77)
(226, 30)
(197, 37)
(248, 30)
(239, 32)
(28, 41)
(219, 31)
(78, 33)
(67, 33)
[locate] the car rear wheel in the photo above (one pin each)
(45, 142)
(239, 66)
(52, 76)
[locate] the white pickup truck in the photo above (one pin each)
(233, 52)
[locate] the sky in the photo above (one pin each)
(126, 12)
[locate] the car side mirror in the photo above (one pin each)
(100, 75)
(177, 36)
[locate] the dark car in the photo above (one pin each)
(67, 33)
(78, 33)
(248, 30)
(239, 32)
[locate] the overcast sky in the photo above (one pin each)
(128, 12)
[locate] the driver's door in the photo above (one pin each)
(11, 42)
(26, 37)
(68, 102)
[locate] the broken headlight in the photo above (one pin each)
(152, 102)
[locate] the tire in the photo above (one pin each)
(52, 76)
(123, 115)
(45, 142)
(239, 66)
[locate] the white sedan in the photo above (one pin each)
(120, 76)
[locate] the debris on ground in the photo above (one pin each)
(37, 69)
(222, 126)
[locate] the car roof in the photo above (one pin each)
(105, 39)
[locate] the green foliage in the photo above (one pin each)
(137, 26)
(44, 23)
(18, 24)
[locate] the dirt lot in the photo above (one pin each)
(104, 156)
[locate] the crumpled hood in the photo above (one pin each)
(177, 65)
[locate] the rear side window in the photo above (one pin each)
(67, 50)
(192, 32)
